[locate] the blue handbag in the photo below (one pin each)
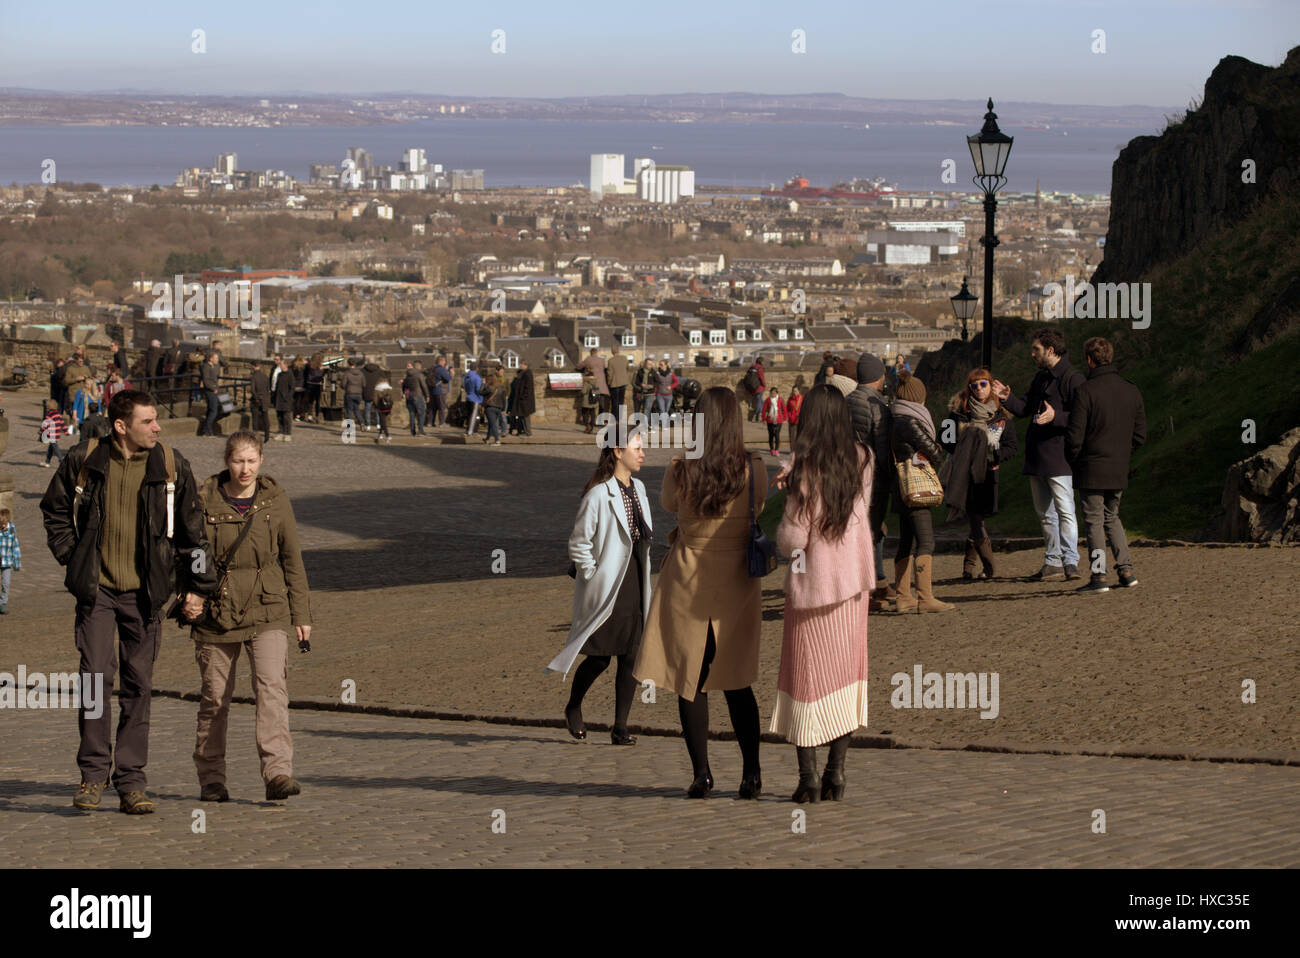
(761, 553)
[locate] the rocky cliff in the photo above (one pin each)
(1169, 192)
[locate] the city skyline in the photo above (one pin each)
(1157, 52)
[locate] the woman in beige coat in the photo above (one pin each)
(703, 629)
(262, 601)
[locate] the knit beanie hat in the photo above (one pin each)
(910, 388)
(847, 368)
(870, 368)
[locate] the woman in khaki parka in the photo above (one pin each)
(705, 617)
(263, 599)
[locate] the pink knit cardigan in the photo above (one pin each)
(828, 572)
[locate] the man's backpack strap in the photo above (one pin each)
(169, 461)
(82, 475)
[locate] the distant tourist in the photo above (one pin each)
(618, 374)
(643, 387)
(774, 415)
(793, 405)
(1048, 403)
(986, 438)
(495, 393)
(705, 618)
(523, 401)
(595, 364)
(665, 384)
(1108, 424)
(822, 682)
(472, 384)
(283, 398)
(209, 379)
(11, 558)
(96, 424)
(354, 387)
(384, 409)
(263, 602)
(314, 378)
(116, 383)
(416, 391)
(755, 384)
(588, 402)
(299, 371)
(259, 400)
(119, 360)
(51, 431)
(610, 553)
(374, 374)
(440, 390)
(913, 438)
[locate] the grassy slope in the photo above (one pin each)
(1181, 364)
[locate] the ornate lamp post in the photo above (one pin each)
(963, 307)
(989, 149)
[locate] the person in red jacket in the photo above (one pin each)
(774, 413)
(792, 407)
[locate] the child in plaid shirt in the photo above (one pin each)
(52, 427)
(11, 557)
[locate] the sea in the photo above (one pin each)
(557, 153)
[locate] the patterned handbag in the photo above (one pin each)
(918, 485)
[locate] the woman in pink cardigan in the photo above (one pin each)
(822, 686)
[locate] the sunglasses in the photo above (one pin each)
(979, 384)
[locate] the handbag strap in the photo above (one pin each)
(751, 488)
(224, 561)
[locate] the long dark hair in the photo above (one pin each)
(826, 467)
(604, 470)
(719, 475)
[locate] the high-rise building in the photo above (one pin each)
(413, 160)
(606, 174)
(226, 163)
(467, 179)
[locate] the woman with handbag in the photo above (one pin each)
(610, 553)
(912, 438)
(822, 685)
(702, 633)
(262, 600)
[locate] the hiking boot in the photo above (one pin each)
(1048, 573)
(214, 792)
(137, 803)
(281, 787)
(1072, 572)
(1126, 579)
(89, 794)
(1096, 585)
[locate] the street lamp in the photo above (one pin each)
(989, 149)
(963, 307)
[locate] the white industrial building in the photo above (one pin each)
(663, 184)
(606, 175)
(934, 226)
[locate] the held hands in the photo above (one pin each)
(191, 606)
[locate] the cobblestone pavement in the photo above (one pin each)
(399, 548)
(385, 791)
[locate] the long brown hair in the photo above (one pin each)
(826, 467)
(961, 402)
(720, 474)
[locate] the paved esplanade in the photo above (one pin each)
(412, 609)
(387, 791)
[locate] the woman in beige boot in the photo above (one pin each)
(912, 434)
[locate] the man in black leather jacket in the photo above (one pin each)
(125, 553)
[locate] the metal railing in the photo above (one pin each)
(182, 389)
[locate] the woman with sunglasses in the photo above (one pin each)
(972, 484)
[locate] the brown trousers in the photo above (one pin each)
(268, 658)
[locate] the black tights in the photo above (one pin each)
(695, 719)
(624, 685)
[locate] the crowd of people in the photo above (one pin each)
(858, 452)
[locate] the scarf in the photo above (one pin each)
(982, 415)
(915, 410)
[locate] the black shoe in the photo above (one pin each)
(751, 786)
(1096, 585)
(620, 737)
(214, 792)
(810, 783)
(573, 719)
(701, 787)
(1127, 579)
(1048, 573)
(1072, 572)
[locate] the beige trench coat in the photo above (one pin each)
(704, 579)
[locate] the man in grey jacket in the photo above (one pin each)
(871, 421)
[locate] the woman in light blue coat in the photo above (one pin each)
(610, 549)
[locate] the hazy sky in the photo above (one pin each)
(1159, 52)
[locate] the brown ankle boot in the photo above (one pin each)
(906, 602)
(926, 602)
(971, 560)
(985, 549)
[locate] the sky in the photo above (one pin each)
(1157, 52)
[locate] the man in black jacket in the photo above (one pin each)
(210, 378)
(134, 530)
(259, 400)
(282, 398)
(1107, 426)
(1049, 401)
(417, 396)
(374, 375)
(871, 422)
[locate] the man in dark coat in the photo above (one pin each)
(375, 374)
(1107, 426)
(283, 400)
(259, 400)
(119, 359)
(439, 391)
(523, 403)
(153, 360)
(1048, 402)
(871, 422)
(417, 397)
